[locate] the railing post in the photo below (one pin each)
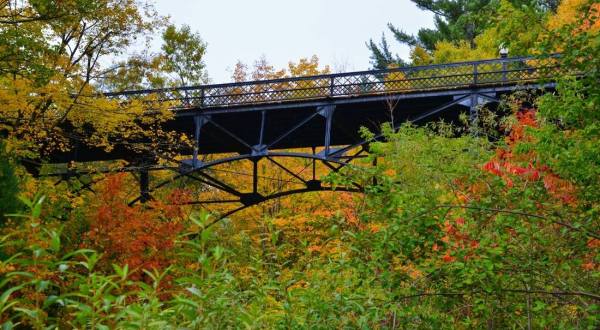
(202, 97)
(504, 70)
(331, 86)
(475, 73)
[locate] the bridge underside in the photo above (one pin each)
(323, 134)
(303, 124)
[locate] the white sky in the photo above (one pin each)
(286, 30)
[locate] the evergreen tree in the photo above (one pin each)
(455, 21)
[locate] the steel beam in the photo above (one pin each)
(327, 112)
(468, 84)
(199, 121)
(366, 98)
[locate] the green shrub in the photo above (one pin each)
(9, 185)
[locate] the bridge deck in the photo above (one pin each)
(439, 77)
(288, 113)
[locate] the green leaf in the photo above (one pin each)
(36, 210)
(8, 325)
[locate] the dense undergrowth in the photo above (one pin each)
(495, 224)
(456, 232)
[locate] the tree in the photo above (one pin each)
(137, 236)
(240, 72)
(455, 20)
(180, 62)
(51, 65)
(458, 23)
(263, 70)
(183, 55)
(521, 226)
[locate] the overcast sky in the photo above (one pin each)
(284, 30)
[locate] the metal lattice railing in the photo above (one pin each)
(505, 71)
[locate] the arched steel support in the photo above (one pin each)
(272, 197)
(251, 195)
(261, 133)
(258, 150)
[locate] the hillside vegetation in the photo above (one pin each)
(490, 224)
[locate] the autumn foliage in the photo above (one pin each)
(141, 236)
(509, 165)
(490, 223)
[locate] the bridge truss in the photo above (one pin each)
(315, 120)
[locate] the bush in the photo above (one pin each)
(9, 185)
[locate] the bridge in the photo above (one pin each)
(315, 119)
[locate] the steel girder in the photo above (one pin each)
(259, 150)
(314, 116)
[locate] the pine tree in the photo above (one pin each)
(455, 21)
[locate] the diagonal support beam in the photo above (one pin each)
(336, 169)
(290, 131)
(216, 183)
(419, 118)
(228, 132)
(286, 170)
(350, 159)
(440, 109)
(488, 97)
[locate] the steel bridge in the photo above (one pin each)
(314, 118)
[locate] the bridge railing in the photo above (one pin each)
(506, 71)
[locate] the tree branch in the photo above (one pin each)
(531, 215)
